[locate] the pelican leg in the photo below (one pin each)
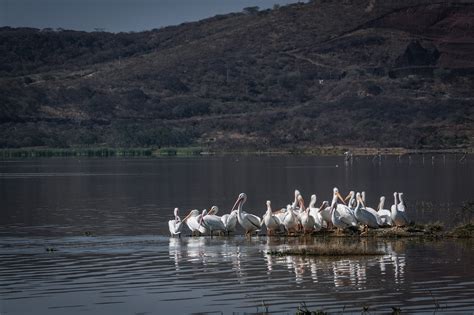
(365, 231)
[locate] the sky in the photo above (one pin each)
(117, 15)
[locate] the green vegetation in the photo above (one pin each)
(89, 152)
(99, 152)
(300, 78)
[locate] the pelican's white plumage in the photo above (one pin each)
(374, 212)
(401, 204)
(385, 214)
(295, 204)
(281, 214)
(314, 212)
(290, 221)
(230, 221)
(192, 221)
(352, 202)
(345, 213)
(176, 225)
(326, 214)
(271, 221)
(398, 217)
(307, 221)
(365, 217)
(336, 219)
(323, 208)
(211, 222)
(249, 222)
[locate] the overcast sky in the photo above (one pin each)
(117, 15)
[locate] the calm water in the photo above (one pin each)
(130, 266)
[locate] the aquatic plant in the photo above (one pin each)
(434, 227)
(327, 250)
(303, 310)
(463, 231)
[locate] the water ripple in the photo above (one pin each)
(224, 274)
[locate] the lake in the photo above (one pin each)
(130, 266)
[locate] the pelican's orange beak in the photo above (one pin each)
(348, 196)
(300, 201)
(187, 217)
(340, 197)
(235, 204)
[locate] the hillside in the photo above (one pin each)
(351, 73)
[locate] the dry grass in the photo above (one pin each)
(327, 250)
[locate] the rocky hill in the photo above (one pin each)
(352, 73)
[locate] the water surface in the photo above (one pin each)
(130, 266)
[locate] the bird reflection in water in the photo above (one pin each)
(175, 251)
(201, 251)
(393, 258)
(341, 272)
(352, 271)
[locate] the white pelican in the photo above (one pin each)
(192, 221)
(398, 217)
(345, 213)
(401, 204)
(326, 215)
(281, 214)
(385, 214)
(380, 221)
(230, 221)
(175, 225)
(211, 222)
(314, 212)
(213, 211)
(307, 220)
(290, 221)
(336, 219)
(295, 203)
(351, 196)
(270, 220)
(367, 218)
(249, 222)
(322, 209)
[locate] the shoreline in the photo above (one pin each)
(202, 151)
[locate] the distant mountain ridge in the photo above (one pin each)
(349, 73)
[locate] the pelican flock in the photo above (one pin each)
(296, 218)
